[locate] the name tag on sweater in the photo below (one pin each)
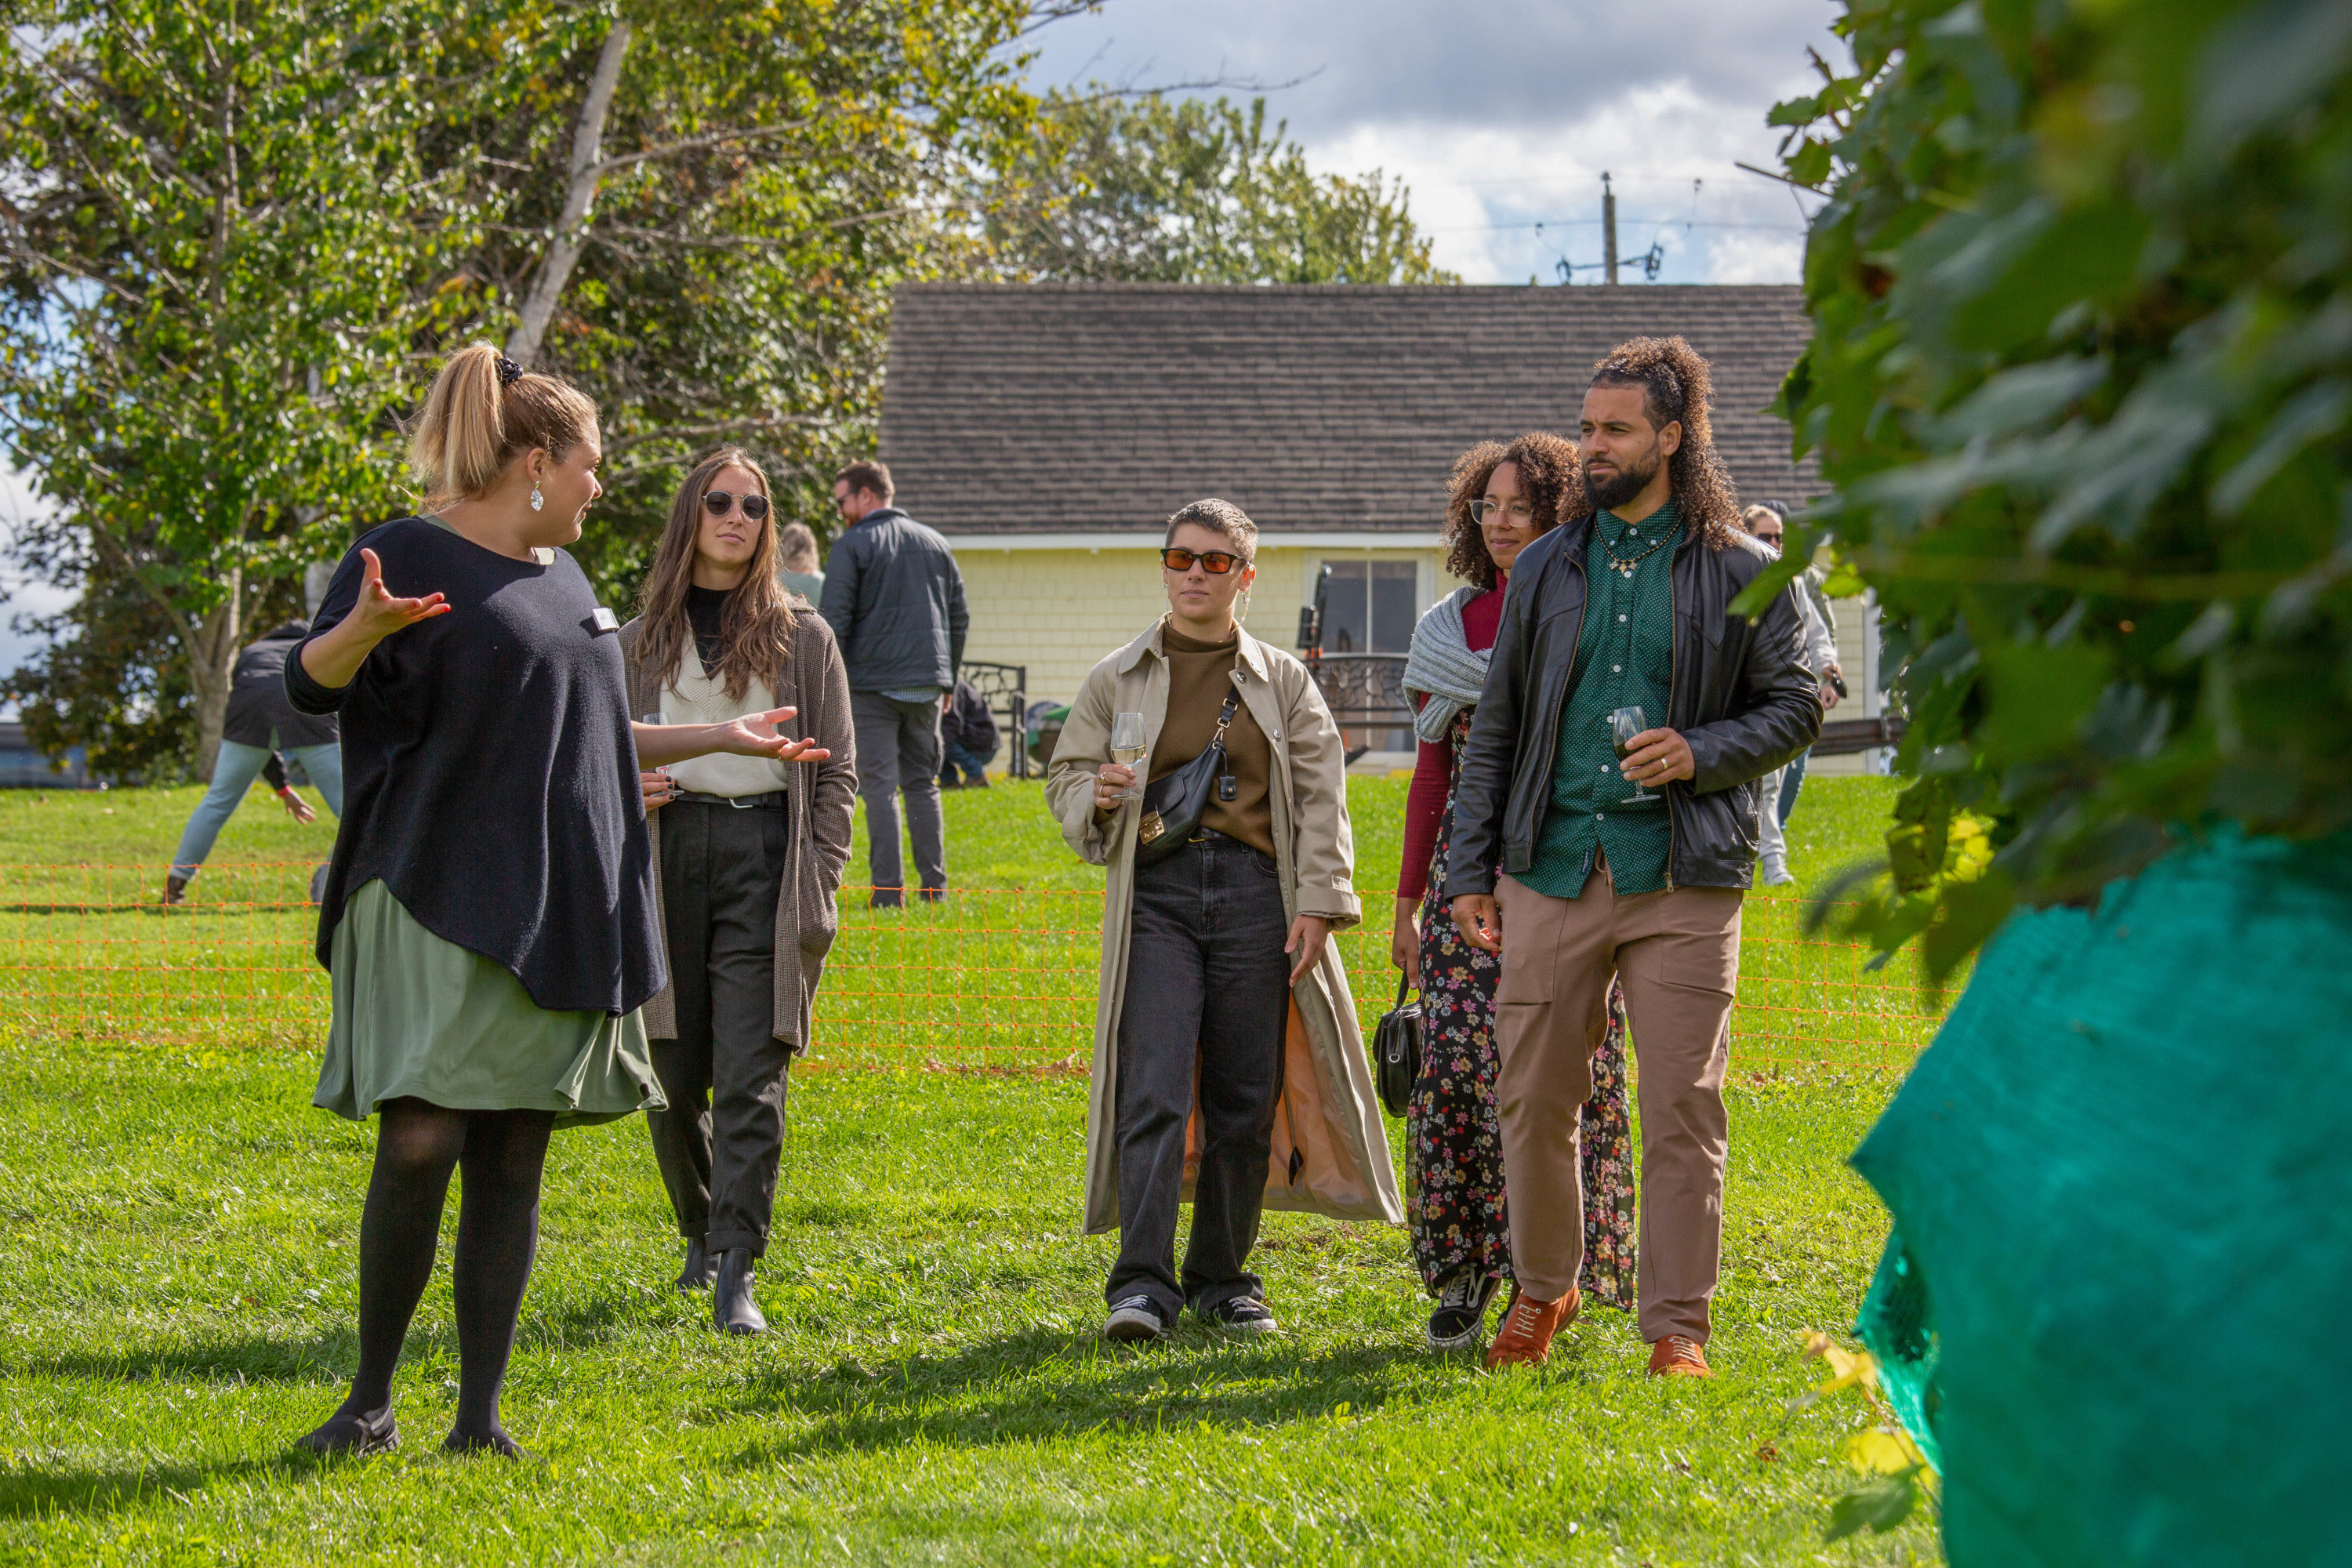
(606, 621)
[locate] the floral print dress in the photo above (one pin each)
(1454, 1142)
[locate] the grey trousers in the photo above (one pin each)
(898, 749)
(1201, 1020)
(720, 1141)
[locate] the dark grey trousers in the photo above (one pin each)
(898, 749)
(1207, 995)
(719, 1141)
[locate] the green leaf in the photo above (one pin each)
(1882, 1505)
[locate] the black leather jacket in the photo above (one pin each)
(1741, 694)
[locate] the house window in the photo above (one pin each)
(1368, 607)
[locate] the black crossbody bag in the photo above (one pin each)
(1396, 1051)
(1174, 805)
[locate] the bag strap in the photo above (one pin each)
(1404, 985)
(1224, 717)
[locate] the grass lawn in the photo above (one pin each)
(179, 1259)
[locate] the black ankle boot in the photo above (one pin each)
(732, 1311)
(353, 1432)
(696, 1275)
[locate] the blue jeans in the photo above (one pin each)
(973, 764)
(1790, 780)
(233, 774)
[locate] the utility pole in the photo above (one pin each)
(1608, 228)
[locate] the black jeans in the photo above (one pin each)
(898, 751)
(1207, 984)
(719, 1141)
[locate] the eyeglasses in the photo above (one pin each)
(719, 503)
(1216, 562)
(1518, 510)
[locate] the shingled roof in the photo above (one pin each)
(1100, 408)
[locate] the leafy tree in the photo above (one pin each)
(1149, 189)
(697, 213)
(2081, 377)
(208, 252)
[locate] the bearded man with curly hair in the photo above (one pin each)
(1611, 772)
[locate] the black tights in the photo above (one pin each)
(418, 1145)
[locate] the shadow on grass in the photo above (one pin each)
(1048, 1383)
(28, 1490)
(253, 1359)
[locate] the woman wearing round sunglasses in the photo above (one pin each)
(1222, 1002)
(751, 853)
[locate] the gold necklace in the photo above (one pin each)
(1625, 565)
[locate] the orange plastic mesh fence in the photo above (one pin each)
(1001, 978)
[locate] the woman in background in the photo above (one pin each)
(1502, 498)
(749, 852)
(488, 918)
(796, 563)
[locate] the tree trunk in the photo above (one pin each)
(579, 197)
(212, 669)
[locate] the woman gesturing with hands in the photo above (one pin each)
(488, 921)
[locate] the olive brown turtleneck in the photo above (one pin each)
(1199, 675)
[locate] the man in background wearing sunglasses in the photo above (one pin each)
(893, 598)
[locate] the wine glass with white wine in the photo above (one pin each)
(1127, 748)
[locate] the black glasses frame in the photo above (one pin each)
(1216, 562)
(754, 504)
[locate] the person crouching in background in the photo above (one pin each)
(1222, 1000)
(968, 738)
(748, 854)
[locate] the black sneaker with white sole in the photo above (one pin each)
(1134, 1322)
(1460, 1319)
(1241, 1316)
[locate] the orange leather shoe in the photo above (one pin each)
(1528, 1325)
(1676, 1356)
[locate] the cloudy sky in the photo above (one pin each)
(1501, 115)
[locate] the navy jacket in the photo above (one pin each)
(895, 601)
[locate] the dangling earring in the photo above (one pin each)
(1244, 613)
(537, 500)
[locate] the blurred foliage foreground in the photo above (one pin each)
(2081, 377)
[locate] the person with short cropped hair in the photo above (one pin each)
(1768, 525)
(1627, 867)
(894, 597)
(488, 938)
(1225, 1041)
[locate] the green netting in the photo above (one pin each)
(1897, 1328)
(2122, 1190)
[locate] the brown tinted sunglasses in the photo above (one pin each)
(1216, 562)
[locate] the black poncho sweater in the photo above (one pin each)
(490, 777)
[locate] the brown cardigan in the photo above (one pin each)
(816, 811)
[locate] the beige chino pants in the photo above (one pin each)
(1678, 953)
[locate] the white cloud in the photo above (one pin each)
(1501, 115)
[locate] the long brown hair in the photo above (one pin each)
(483, 412)
(1548, 476)
(1676, 385)
(755, 632)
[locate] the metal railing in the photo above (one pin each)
(1005, 685)
(1363, 691)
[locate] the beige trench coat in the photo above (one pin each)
(817, 809)
(1327, 1115)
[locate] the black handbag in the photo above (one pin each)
(1174, 805)
(1396, 1051)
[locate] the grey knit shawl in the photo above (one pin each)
(1441, 663)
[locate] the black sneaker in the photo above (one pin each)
(1460, 1319)
(1241, 1315)
(1135, 1320)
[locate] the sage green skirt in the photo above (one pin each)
(418, 1016)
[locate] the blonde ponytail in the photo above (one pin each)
(482, 414)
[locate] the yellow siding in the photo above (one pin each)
(1060, 611)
